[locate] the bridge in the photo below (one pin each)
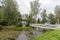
(46, 26)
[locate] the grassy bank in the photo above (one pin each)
(19, 28)
(8, 35)
(50, 35)
(11, 32)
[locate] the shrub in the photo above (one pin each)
(1, 27)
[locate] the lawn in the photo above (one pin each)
(50, 35)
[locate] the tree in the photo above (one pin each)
(35, 6)
(51, 18)
(3, 16)
(44, 16)
(12, 12)
(38, 20)
(57, 12)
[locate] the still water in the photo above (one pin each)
(28, 35)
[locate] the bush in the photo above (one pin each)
(1, 27)
(11, 38)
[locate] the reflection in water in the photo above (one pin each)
(34, 34)
(22, 36)
(27, 35)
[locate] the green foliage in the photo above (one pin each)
(51, 18)
(19, 28)
(13, 14)
(39, 20)
(9, 13)
(29, 19)
(1, 27)
(44, 16)
(35, 5)
(57, 12)
(50, 35)
(3, 16)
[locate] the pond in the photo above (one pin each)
(29, 35)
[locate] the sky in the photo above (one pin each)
(49, 5)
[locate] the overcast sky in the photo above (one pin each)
(49, 5)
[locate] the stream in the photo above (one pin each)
(22, 36)
(28, 35)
